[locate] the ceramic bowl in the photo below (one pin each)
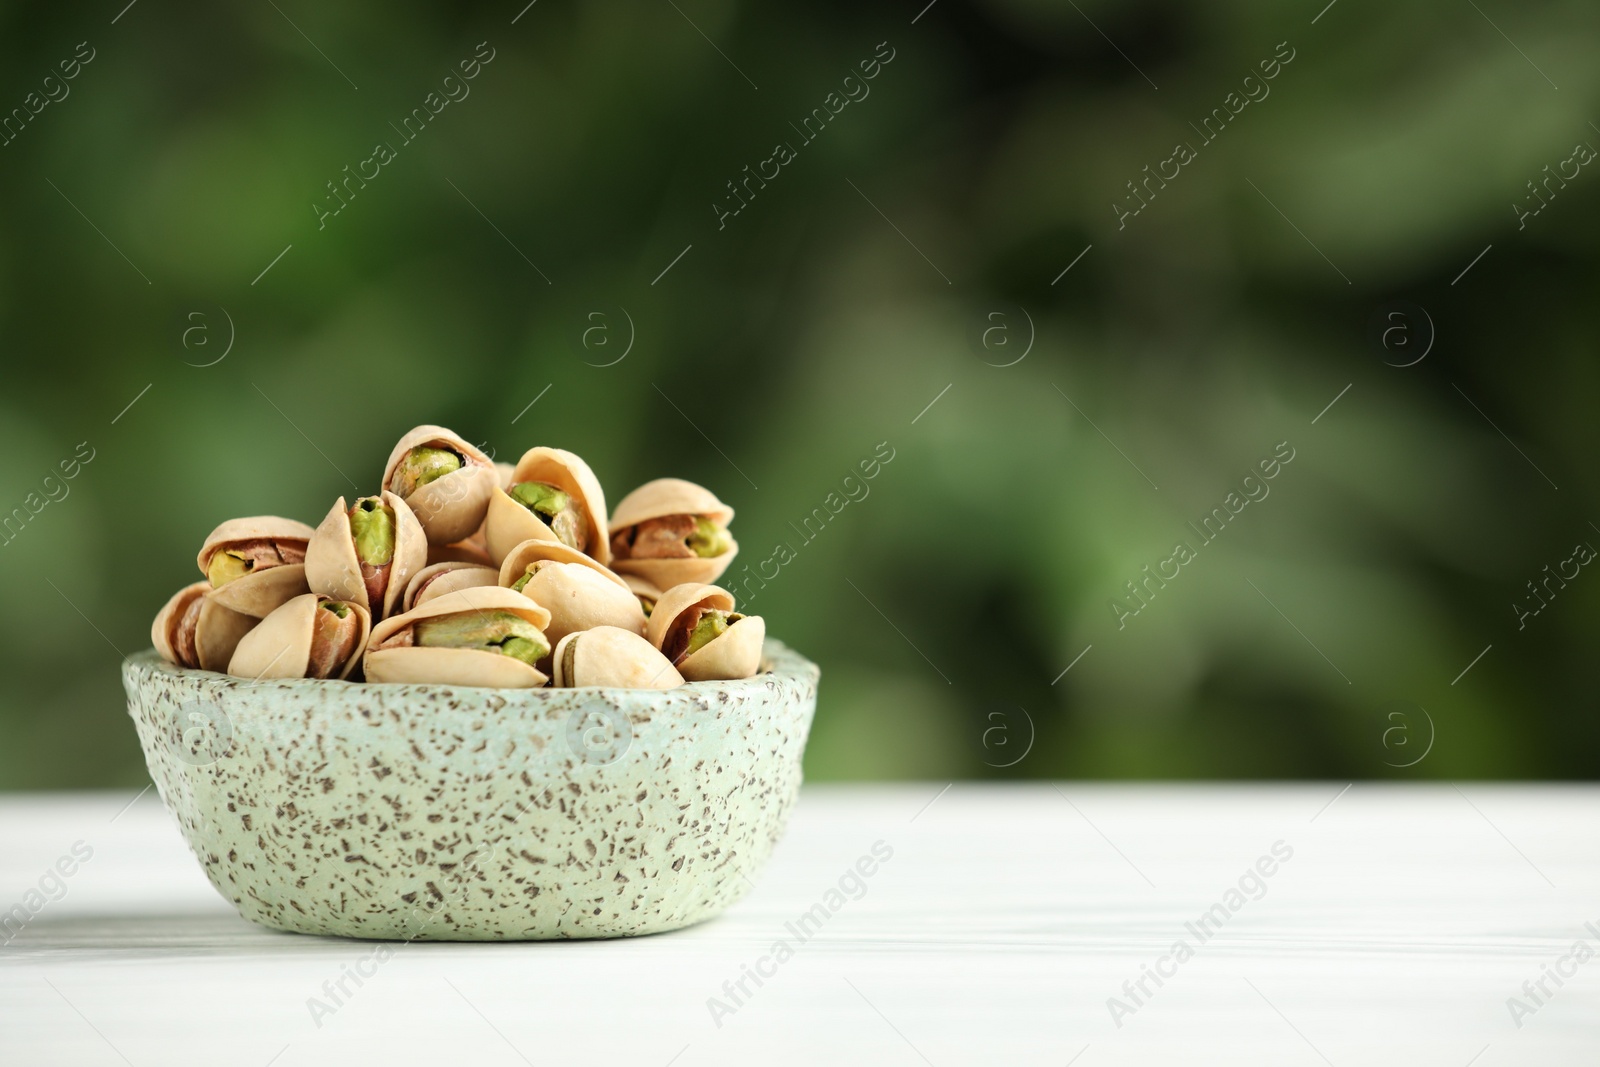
(452, 813)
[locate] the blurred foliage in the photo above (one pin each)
(809, 328)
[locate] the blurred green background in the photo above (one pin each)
(1073, 437)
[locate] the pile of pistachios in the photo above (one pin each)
(462, 571)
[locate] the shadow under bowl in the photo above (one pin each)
(453, 813)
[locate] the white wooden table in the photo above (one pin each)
(997, 932)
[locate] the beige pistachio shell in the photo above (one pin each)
(280, 647)
(578, 598)
(509, 524)
(673, 496)
(262, 592)
(455, 666)
(447, 577)
(164, 629)
(217, 630)
(681, 598)
(505, 471)
(666, 573)
(566, 472)
(669, 496)
(452, 507)
(606, 655)
(334, 570)
(517, 560)
(736, 653)
(254, 528)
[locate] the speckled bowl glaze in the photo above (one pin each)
(449, 813)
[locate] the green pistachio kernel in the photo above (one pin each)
(338, 607)
(554, 506)
(712, 625)
(529, 652)
(488, 631)
(533, 568)
(372, 527)
(225, 567)
(423, 465)
(708, 538)
(546, 499)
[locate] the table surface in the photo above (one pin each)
(1365, 924)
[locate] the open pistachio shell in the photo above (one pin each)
(268, 581)
(509, 523)
(333, 567)
(391, 657)
(165, 630)
(669, 496)
(578, 598)
(193, 630)
(291, 642)
(735, 653)
(451, 506)
(516, 562)
(663, 498)
(606, 655)
(681, 598)
(263, 592)
(447, 577)
(505, 470)
(254, 528)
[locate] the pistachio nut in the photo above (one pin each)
(606, 655)
(505, 471)
(445, 480)
(696, 627)
(310, 636)
(256, 564)
(193, 630)
(367, 553)
(578, 591)
(447, 577)
(553, 496)
(672, 532)
(482, 637)
(516, 563)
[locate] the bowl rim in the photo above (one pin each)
(778, 661)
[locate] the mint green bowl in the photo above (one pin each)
(452, 813)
